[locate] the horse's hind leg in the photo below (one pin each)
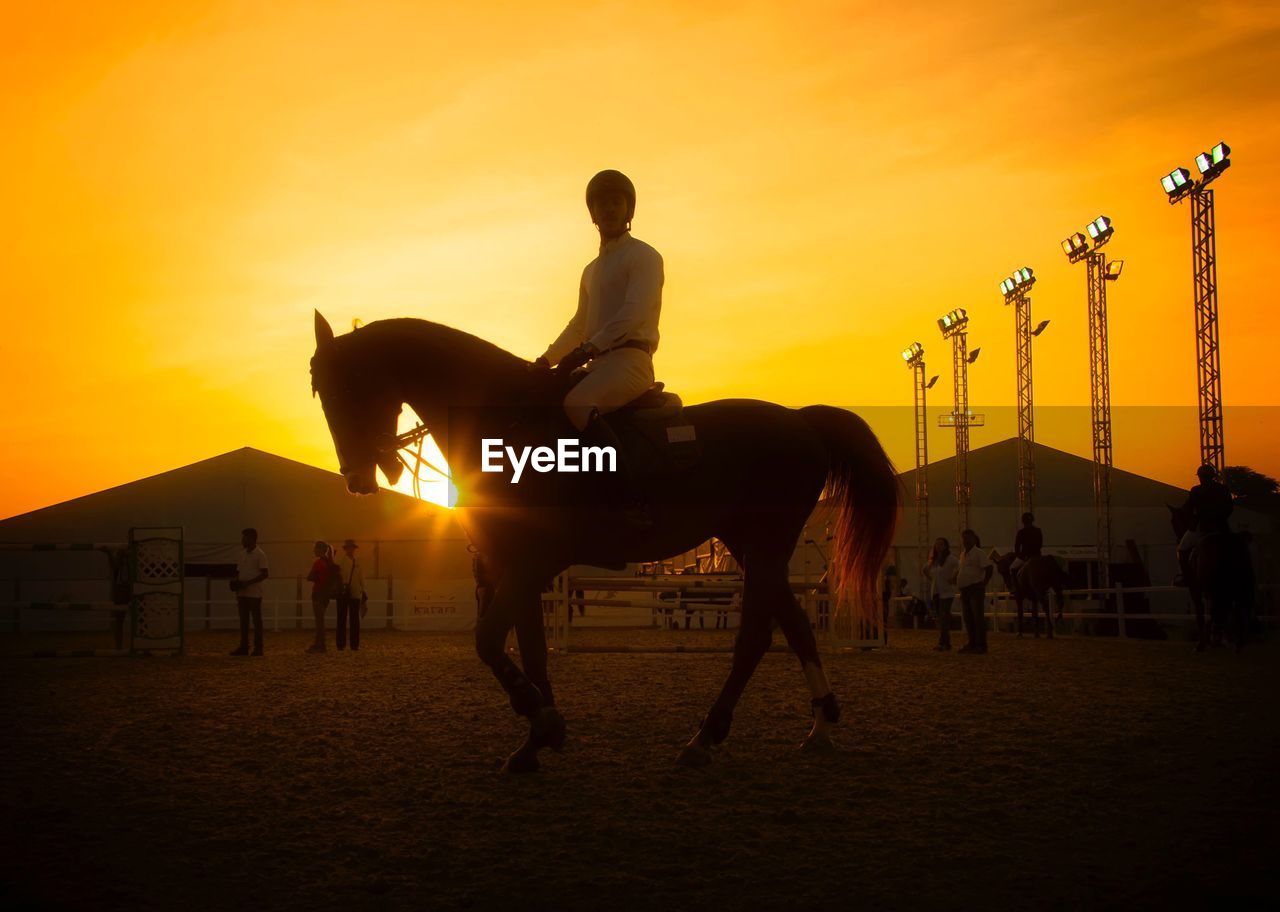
(1018, 602)
(752, 642)
(1043, 602)
(795, 627)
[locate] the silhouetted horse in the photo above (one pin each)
(1222, 575)
(1033, 582)
(760, 472)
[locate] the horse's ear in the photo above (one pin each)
(324, 332)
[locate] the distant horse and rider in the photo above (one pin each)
(1214, 562)
(746, 472)
(1029, 575)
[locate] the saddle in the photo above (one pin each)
(655, 434)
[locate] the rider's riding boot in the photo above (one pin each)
(622, 494)
(1184, 568)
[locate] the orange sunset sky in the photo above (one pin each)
(183, 183)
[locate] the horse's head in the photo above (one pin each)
(1003, 563)
(1180, 519)
(361, 403)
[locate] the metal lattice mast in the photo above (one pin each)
(1100, 272)
(1017, 291)
(1026, 422)
(1100, 409)
(960, 377)
(1178, 186)
(1204, 267)
(914, 356)
(922, 464)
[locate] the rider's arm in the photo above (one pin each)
(574, 332)
(642, 303)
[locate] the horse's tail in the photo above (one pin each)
(864, 485)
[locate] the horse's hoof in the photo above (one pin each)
(524, 760)
(694, 756)
(547, 729)
(818, 744)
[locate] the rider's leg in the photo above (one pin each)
(614, 380)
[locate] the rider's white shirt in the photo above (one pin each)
(619, 299)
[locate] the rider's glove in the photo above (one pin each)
(538, 365)
(574, 360)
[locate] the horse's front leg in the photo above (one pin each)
(1043, 602)
(517, 601)
(1018, 601)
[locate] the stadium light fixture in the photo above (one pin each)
(1177, 184)
(1100, 231)
(1040, 327)
(1075, 247)
(932, 381)
(913, 354)
(973, 355)
(1114, 268)
(953, 322)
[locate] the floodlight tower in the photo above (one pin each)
(1100, 271)
(954, 326)
(1016, 290)
(914, 356)
(1178, 186)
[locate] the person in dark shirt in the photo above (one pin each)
(1208, 508)
(1027, 544)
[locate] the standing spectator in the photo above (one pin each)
(251, 570)
(325, 584)
(972, 578)
(941, 570)
(354, 601)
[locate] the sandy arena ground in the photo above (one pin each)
(1079, 773)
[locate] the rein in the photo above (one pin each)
(408, 446)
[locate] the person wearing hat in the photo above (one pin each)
(614, 331)
(1208, 507)
(354, 600)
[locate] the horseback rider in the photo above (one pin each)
(1208, 507)
(614, 331)
(1027, 544)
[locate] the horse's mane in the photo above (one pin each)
(423, 337)
(453, 365)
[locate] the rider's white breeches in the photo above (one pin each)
(611, 382)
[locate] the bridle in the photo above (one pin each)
(406, 447)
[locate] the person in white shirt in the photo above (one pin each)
(251, 570)
(971, 578)
(940, 571)
(354, 600)
(614, 330)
